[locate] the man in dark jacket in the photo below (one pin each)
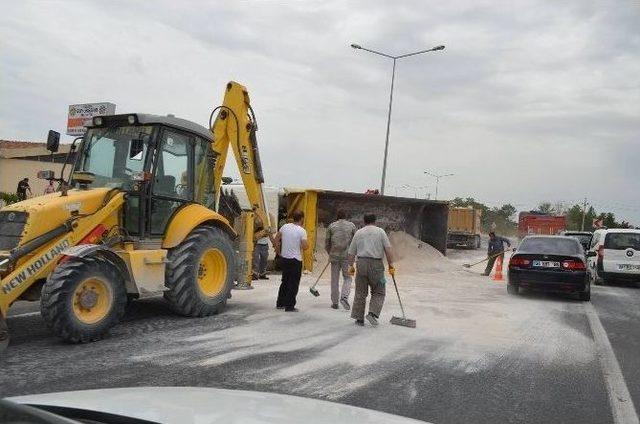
(496, 249)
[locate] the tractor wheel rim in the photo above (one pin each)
(212, 272)
(92, 300)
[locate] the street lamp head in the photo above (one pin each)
(356, 46)
(438, 48)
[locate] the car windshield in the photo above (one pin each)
(550, 246)
(114, 155)
(622, 241)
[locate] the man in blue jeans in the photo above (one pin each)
(291, 240)
(496, 246)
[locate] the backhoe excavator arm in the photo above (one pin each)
(235, 126)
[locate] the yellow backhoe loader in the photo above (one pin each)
(137, 215)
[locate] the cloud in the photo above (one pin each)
(530, 101)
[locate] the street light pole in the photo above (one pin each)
(386, 140)
(437, 177)
(393, 76)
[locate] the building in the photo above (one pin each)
(20, 159)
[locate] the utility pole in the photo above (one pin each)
(584, 213)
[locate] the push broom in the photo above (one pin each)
(404, 321)
(313, 289)
(484, 260)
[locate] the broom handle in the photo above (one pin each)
(320, 276)
(489, 257)
(399, 300)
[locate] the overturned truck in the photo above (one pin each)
(423, 219)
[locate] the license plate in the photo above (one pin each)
(628, 267)
(546, 264)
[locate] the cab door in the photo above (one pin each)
(173, 179)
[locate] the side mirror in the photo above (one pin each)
(591, 254)
(53, 141)
(46, 175)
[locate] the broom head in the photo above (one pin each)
(405, 322)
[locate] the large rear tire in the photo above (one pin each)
(83, 298)
(200, 273)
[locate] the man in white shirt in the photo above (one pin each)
(370, 244)
(291, 241)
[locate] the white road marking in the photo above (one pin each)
(622, 408)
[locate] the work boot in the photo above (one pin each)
(263, 277)
(334, 306)
(254, 277)
(292, 310)
(373, 320)
(360, 322)
(345, 304)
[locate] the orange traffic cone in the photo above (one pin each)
(498, 275)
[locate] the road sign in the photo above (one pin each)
(80, 115)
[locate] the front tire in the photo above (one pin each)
(200, 273)
(83, 298)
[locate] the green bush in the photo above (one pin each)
(9, 198)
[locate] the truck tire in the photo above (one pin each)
(478, 242)
(200, 273)
(83, 298)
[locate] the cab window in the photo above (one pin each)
(173, 181)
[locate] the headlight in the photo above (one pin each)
(97, 121)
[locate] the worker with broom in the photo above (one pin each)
(496, 249)
(369, 245)
(339, 236)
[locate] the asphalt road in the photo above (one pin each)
(536, 361)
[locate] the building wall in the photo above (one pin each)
(13, 170)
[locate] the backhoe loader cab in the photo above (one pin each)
(139, 217)
(163, 163)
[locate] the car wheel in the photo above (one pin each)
(595, 279)
(512, 289)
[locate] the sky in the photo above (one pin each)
(530, 101)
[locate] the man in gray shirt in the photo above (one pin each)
(370, 243)
(339, 235)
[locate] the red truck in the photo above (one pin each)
(537, 223)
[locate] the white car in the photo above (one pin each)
(614, 254)
(180, 405)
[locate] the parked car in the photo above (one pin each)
(584, 237)
(614, 254)
(549, 263)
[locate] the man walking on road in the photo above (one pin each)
(339, 236)
(291, 241)
(369, 245)
(496, 245)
